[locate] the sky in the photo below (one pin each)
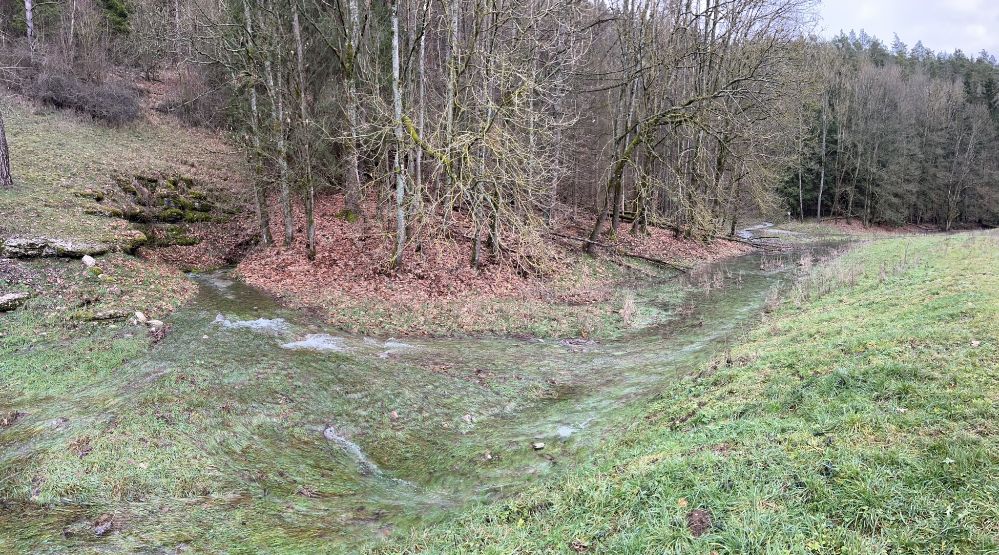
(942, 25)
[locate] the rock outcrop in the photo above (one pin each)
(11, 301)
(39, 246)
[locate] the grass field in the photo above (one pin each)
(860, 417)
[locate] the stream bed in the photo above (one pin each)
(258, 419)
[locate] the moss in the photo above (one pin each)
(170, 215)
(136, 214)
(349, 216)
(106, 211)
(175, 235)
(91, 194)
(193, 216)
(133, 240)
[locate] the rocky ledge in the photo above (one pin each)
(34, 247)
(11, 301)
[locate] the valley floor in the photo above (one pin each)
(859, 416)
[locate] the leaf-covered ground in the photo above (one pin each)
(860, 417)
(437, 292)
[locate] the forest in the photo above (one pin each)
(486, 121)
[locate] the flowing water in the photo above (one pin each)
(351, 437)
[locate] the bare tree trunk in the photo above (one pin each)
(72, 31)
(176, 30)
(29, 22)
(352, 195)
(277, 100)
(451, 91)
(310, 189)
(801, 163)
(822, 172)
(259, 188)
(400, 179)
(422, 100)
(6, 181)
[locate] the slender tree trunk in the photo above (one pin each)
(6, 181)
(422, 100)
(176, 30)
(29, 22)
(822, 172)
(801, 163)
(310, 190)
(400, 178)
(72, 31)
(259, 186)
(353, 196)
(277, 101)
(450, 101)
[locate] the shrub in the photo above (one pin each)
(197, 99)
(108, 102)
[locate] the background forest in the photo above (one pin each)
(492, 122)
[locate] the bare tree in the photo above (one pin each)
(6, 181)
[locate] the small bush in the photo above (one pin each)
(108, 102)
(197, 100)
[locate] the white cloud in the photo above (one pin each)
(942, 25)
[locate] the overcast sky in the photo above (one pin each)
(942, 25)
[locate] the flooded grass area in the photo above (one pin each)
(857, 417)
(250, 425)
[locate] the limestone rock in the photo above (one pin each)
(11, 301)
(140, 317)
(111, 314)
(33, 247)
(88, 261)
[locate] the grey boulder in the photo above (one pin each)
(11, 301)
(33, 247)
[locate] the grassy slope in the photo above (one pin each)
(863, 420)
(56, 368)
(54, 154)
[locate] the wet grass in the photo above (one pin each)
(213, 439)
(860, 417)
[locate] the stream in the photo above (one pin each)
(351, 438)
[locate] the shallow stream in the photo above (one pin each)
(388, 431)
(265, 426)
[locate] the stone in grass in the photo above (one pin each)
(110, 314)
(88, 261)
(538, 445)
(140, 317)
(103, 524)
(32, 247)
(11, 301)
